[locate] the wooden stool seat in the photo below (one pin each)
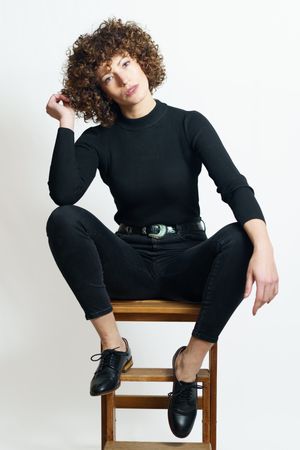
(157, 310)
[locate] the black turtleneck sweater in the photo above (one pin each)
(151, 165)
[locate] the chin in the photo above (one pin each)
(136, 99)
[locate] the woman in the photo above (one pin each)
(150, 155)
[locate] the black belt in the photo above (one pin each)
(158, 230)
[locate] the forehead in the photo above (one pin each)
(106, 65)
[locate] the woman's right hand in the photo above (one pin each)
(58, 111)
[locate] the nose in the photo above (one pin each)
(123, 79)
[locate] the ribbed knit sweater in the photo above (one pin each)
(151, 165)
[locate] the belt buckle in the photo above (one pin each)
(161, 233)
(203, 225)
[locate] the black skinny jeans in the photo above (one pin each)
(99, 264)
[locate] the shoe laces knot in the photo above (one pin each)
(185, 391)
(105, 358)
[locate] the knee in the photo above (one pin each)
(59, 217)
(239, 239)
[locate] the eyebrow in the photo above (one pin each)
(117, 65)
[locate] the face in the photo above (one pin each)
(124, 73)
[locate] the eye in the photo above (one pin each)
(106, 79)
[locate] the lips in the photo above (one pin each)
(131, 90)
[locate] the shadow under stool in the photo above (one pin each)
(160, 311)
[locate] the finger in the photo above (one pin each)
(256, 306)
(53, 101)
(64, 97)
(272, 291)
(248, 286)
(276, 290)
(268, 293)
(258, 297)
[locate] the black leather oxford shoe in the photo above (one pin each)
(107, 376)
(182, 410)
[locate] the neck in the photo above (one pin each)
(139, 109)
(145, 120)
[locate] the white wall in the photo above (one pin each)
(237, 63)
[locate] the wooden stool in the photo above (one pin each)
(159, 311)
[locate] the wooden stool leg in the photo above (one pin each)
(206, 416)
(108, 418)
(213, 355)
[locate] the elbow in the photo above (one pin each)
(244, 205)
(63, 198)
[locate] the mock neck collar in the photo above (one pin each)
(145, 121)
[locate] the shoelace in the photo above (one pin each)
(105, 358)
(185, 391)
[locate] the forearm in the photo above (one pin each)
(258, 233)
(73, 166)
(64, 177)
(67, 122)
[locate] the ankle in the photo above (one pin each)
(113, 344)
(185, 375)
(185, 369)
(191, 359)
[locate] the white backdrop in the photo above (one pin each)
(238, 64)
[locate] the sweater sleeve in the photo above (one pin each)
(73, 165)
(231, 184)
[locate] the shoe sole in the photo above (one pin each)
(125, 368)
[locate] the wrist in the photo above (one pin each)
(263, 246)
(67, 122)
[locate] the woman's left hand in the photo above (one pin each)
(262, 269)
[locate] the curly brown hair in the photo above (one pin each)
(89, 51)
